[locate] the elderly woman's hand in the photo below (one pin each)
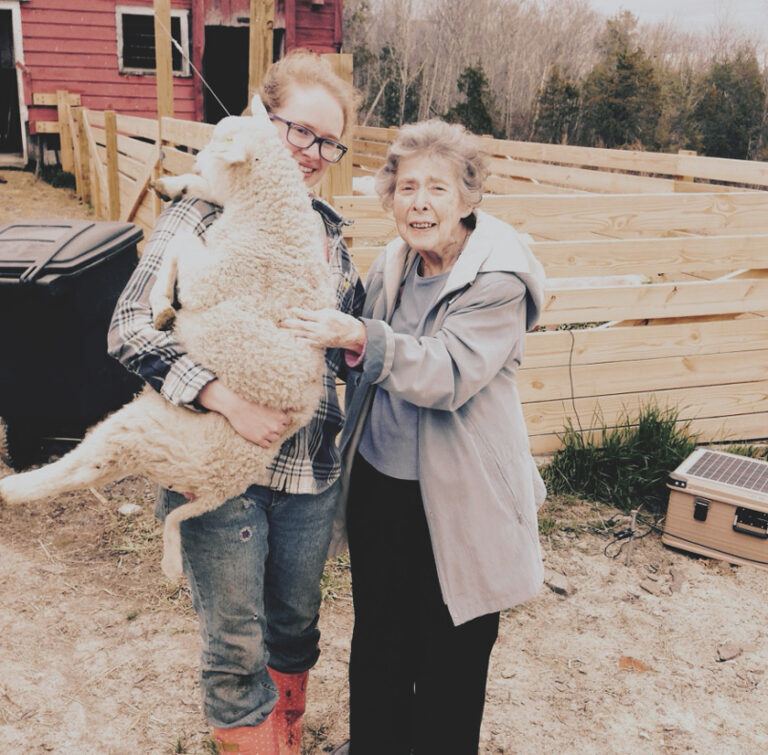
(327, 328)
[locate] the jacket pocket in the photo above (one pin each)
(528, 523)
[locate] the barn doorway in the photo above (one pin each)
(11, 135)
(225, 68)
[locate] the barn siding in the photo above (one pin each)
(318, 27)
(72, 44)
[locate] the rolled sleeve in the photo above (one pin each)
(155, 355)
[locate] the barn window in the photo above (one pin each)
(136, 40)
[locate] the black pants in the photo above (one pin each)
(417, 682)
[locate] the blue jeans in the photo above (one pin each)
(254, 566)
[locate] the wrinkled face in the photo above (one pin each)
(316, 109)
(428, 206)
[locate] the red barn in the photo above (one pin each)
(103, 50)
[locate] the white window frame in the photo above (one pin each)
(18, 53)
(138, 10)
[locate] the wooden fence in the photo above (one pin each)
(688, 331)
(533, 168)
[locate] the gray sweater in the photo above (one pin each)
(480, 486)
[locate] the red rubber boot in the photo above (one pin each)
(289, 711)
(249, 740)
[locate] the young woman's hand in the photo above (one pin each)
(258, 424)
(327, 328)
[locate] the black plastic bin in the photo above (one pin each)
(59, 282)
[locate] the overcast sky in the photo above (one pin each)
(699, 15)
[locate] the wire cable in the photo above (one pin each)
(191, 64)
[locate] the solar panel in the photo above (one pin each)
(741, 472)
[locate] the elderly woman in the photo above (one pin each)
(443, 491)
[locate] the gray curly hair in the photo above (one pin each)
(435, 137)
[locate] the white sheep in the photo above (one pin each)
(262, 257)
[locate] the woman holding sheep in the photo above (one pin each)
(443, 490)
(254, 564)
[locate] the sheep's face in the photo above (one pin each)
(236, 140)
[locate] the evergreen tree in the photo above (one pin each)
(398, 103)
(621, 95)
(729, 113)
(476, 112)
(557, 110)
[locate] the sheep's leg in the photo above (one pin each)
(172, 560)
(161, 295)
(189, 184)
(101, 457)
(78, 469)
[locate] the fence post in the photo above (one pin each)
(82, 148)
(65, 135)
(113, 178)
(262, 20)
(687, 153)
(338, 179)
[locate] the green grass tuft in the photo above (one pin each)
(626, 465)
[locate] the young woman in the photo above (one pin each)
(254, 564)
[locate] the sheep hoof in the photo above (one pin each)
(169, 188)
(164, 319)
(172, 566)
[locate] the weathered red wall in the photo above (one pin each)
(318, 27)
(72, 45)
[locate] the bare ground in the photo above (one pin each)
(99, 655)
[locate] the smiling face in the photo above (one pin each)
(428, 205)
(315, 108)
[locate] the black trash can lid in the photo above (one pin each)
(41, 251)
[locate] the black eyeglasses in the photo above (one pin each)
(302, 137)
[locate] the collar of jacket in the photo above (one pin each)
(328, 214)
(494, 246)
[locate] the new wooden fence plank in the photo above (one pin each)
(365, 146)
(600, 345)
(66, 151)
(99, 186)
(712, 430)
(650, 256)
(639, 375)
(579, 178)
(96, 118)
(132, 125)
(135, 149)
(544, 417)
(51, 99)
(654, 300)
(113, 176)
(188, 133)
(131, 167)
(501, 185)
(752, 172)
(575, 216)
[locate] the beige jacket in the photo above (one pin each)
(480, 486)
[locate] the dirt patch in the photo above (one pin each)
(99, 655)
(26, 198)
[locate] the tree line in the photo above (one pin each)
(556, 71)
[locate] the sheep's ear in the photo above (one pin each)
(258, 111)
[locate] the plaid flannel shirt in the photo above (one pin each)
(308, 461)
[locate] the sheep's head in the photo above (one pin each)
(239, 141)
